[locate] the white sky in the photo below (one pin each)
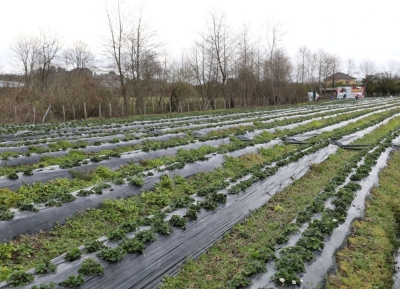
(359, 29)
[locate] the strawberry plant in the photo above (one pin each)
(145, 236)
(111, 254)
(128, 226)
(27, 206)
(132, 245)
(73, 281)
(265, 254)
(53, 203)
(51, 285)
(116, 235)
(45, 267)
(66, 198)
(93, 246)
(91, 267)
(19, 278)
(73, 254)
(12, 176)
(178, 221)
(254, 267)
(6, 215)
(162, 227)
(237, 281)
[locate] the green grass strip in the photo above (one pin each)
(367, 262)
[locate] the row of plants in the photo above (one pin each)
(292, 259)
(90, 131)
(142, 120)
(226, 262)
(64, 144)
(211, 198)
(36, 193)
(77, 158)
(164, 188)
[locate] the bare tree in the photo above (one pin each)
(49, 47)
(142, 53)
(78, 56)
(245, 68)
(179, 83)
(224, 46)
(351, 66)
(275, 56)
(393, 68)
(26, 51)
(367, 69)
(279, 76)
(212, 59)
(114, 46)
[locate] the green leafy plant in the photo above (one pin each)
(93, 246)
(254, 267)
(66, 198)
(19, 278)
(45, 267)
(27, 206)
(133, 245)
(145, 236)
(128, 226)
(51, 285)
(73, 281)
(237, 281)
(136, 181)
(178, 221)
(12, 176)
(53, 203)
(112, 254)
(91, 267)
(6, 215)
(116, 235)
(73, 254)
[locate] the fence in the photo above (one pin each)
(24, 113)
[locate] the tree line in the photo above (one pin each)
(222, 69)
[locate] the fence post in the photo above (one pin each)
(84, 109)
(152, 102)
(15, 114)
(64, 112)
(109, 105)
(73, 111)
(34, 115)
(99, 110)
(162, 105)
(170, 107)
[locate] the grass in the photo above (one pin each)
(367, 261)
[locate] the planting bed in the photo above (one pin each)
(83, 210)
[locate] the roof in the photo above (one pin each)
(340, 75)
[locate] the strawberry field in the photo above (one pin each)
(262, 198)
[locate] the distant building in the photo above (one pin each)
(10, 84)
(340, 78)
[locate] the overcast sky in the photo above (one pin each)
(356, 29)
